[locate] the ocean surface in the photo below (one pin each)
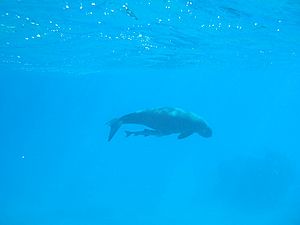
(69, 67)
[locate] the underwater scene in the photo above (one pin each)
(150, 112)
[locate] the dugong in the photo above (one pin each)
(162, 121)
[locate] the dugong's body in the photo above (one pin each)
(162, 121)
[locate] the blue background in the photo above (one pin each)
(59, 86)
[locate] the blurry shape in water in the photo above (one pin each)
(233, 11)
(162, 121)
(129, 11)
(255, 183)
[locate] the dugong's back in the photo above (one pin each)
(166, 119)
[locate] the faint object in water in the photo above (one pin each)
(129, 11)
(234, 12)
(162, 121)
(231, 11)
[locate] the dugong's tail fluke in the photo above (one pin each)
(114, 124)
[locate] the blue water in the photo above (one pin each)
(68, 67)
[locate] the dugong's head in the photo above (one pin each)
(203, 129)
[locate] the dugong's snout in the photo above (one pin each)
(205, 132)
